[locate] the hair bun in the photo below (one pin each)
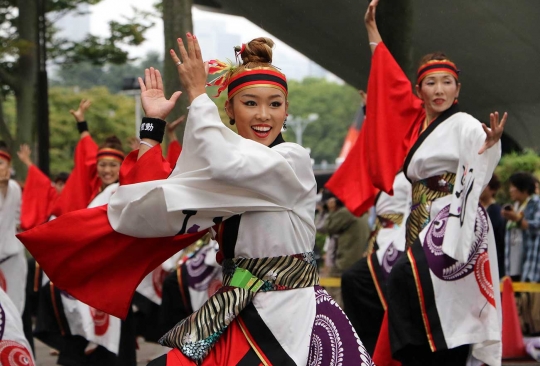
(112, 142)
(258, 50)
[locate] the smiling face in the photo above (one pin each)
(108, 171)
(259, 113)
(438, 92)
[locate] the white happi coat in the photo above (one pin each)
(13, 344)
(399, 203)
(13, 264)
(220, 174)
(468, 305)
(94, 325)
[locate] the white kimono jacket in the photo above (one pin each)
(13, 264)
(466, 283)
(399, 203)
(220, 174)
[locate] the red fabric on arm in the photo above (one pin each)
(38, 197)
(173, 152)
(393, 119)
(83, 255)
(151, 166)
(83, 183)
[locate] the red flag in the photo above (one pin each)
(351, 183)
(393, 119)
(83, 255)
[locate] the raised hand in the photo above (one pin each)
(154, 103)
(494, 133)
(371, 25)
(363, 94)
(369, 17)
(24, 154)
(79, 113)
(172, 126)
(191, 68)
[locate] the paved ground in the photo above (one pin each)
(149, 351)
(146, 352)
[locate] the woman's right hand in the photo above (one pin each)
(153, 100)
(79, 113)
(191, 68)
(369, 18)
(24, 155)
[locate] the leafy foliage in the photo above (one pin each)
(528, 161)
(110, 114)
(336, 106)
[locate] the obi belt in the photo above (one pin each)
(383, 221)
(424, 192)
(243, 278)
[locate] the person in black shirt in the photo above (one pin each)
(487, 199)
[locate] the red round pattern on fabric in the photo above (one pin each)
(482, 273)
(14, 354)
(101, 321)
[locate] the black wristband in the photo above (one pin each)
(82, 126)
(152, 128)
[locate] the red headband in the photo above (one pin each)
(247, 78)
(259, 77)
(110, 154)
(434, 66)
(5, 155)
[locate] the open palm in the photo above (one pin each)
(153, 100)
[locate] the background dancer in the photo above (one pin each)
(364, 284)
(443, 296)
(13, 265)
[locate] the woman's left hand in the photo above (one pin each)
(191, 68)
(493, 134)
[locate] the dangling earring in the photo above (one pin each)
(285, 124)
(232, 121)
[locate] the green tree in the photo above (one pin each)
(527, 161)
(109, 114)
(19, 45)
(336, 106)
(86, 75)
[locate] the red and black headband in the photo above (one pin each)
(108, 153)
(258, 77)
(264, 76)
(5, 155)
(434, 66)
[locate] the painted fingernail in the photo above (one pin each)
(189, 34)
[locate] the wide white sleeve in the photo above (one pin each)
(473, 174)
(218, 174)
